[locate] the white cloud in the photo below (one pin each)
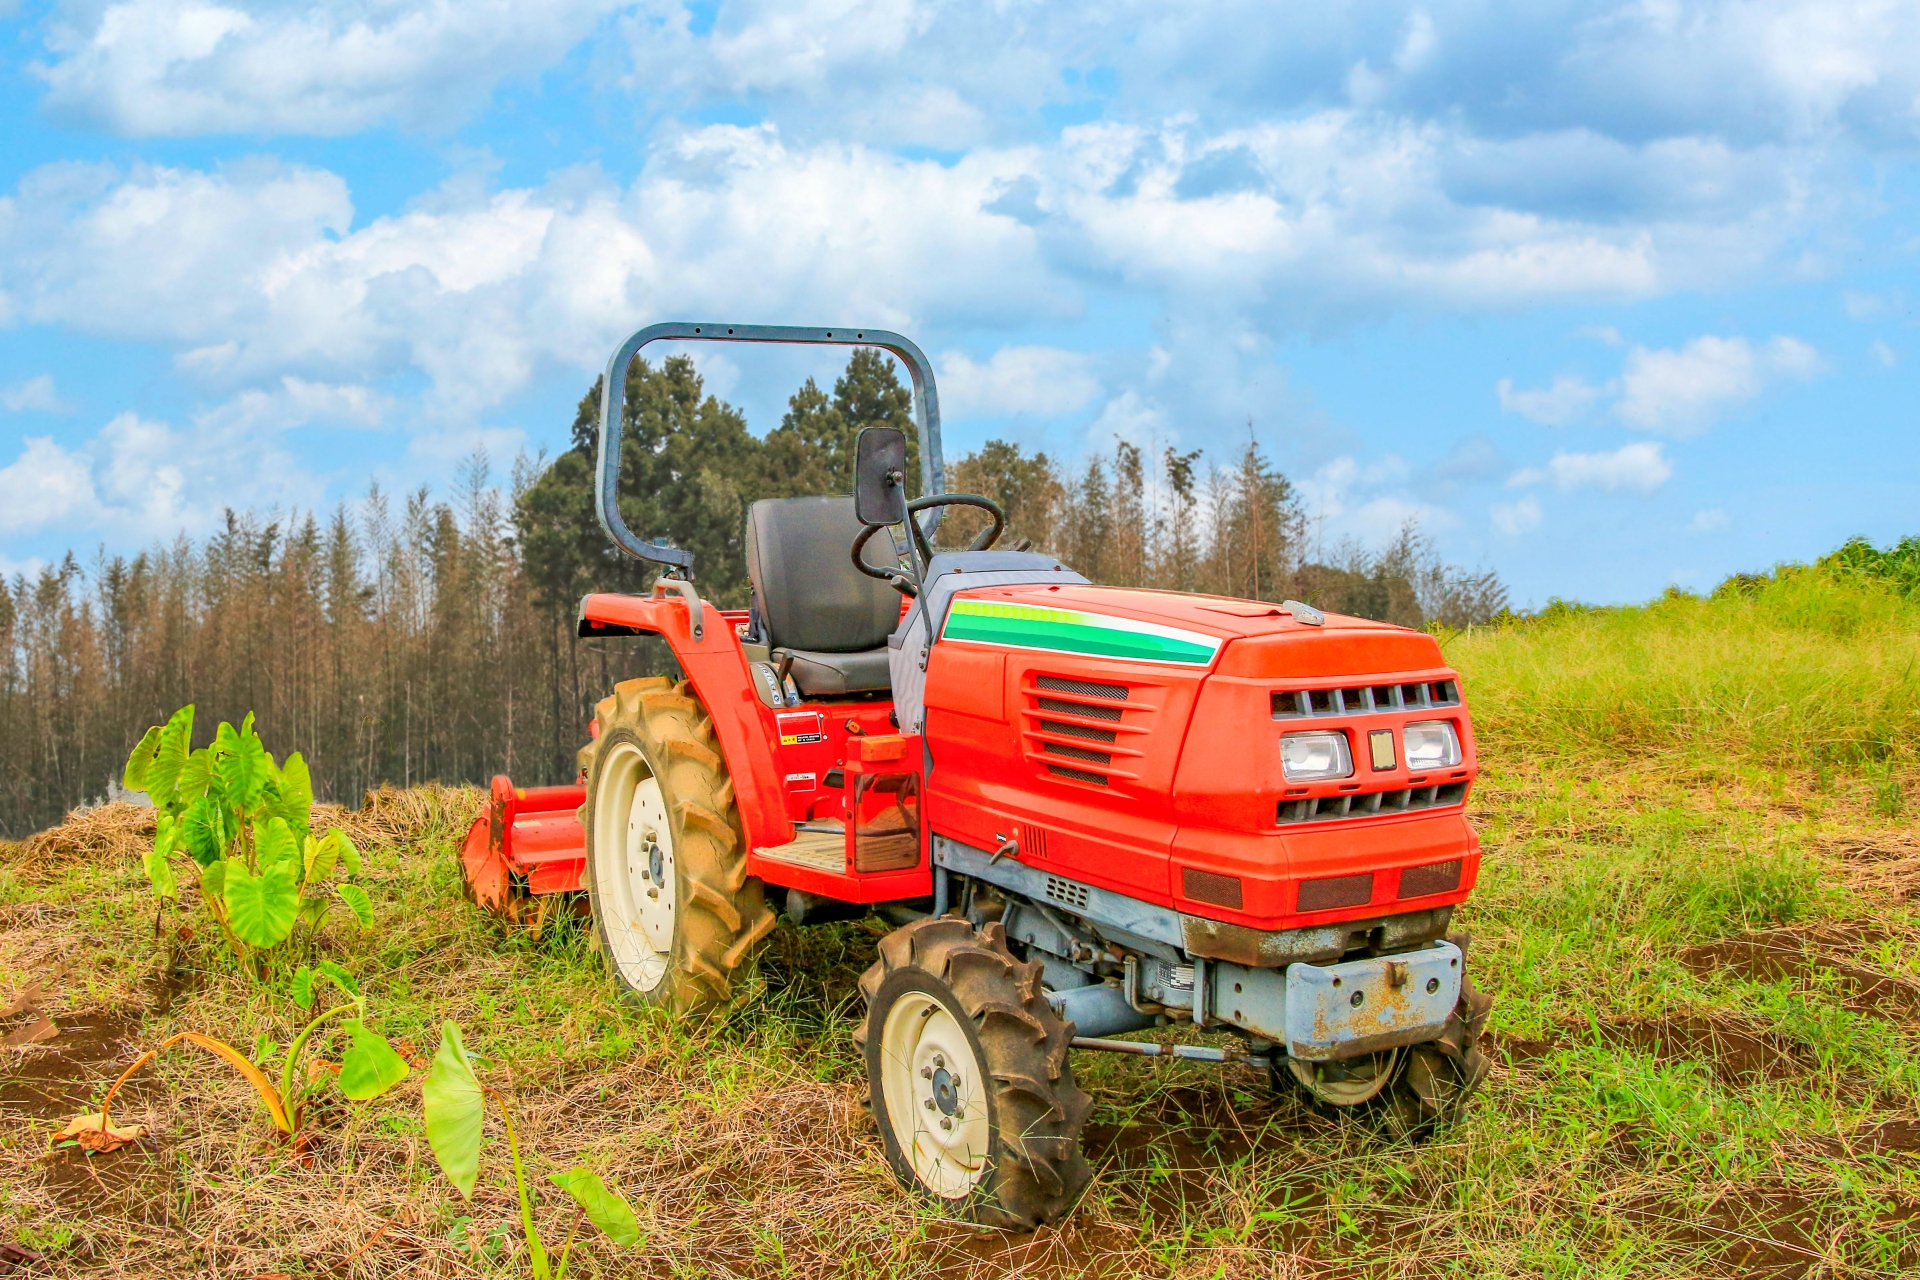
(1681, 392)
(1873, 306)
(1709, 520)
(1038, 380)
(1883, 354)
(1558, 405)
(43, 485)
(1638, 468)
(33, 395)
(1516, 518)
(186, 67)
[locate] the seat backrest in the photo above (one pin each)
(799, 555)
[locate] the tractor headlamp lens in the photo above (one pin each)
(1431, 744)
(1310, 757)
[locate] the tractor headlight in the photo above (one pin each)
(1431, 744)
(1311, 757)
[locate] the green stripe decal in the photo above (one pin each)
(1070, 631)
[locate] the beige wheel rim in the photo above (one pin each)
(633, 881)
(935, 1095)
(1346, 1084)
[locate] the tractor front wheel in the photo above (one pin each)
(971, 1089)
(674, 910)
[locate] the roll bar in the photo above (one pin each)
(606, 486)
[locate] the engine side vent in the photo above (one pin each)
(1077, 775)
(1076, 753)
(1083, 688)
(1088, 710)
(1066, 892)
(1088, 732)
(1033, 842)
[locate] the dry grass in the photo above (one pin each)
(106, 833)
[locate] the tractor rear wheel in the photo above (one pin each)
(675, 912)
(971, 1088)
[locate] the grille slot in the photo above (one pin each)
(1289, 704)
(1078, 775)
(1435, 877)
(1088, 732)
(1079, 709)
(1066, 892)
(1402, 800)
(1085, 688)
(1076, 753)
(1033, 842)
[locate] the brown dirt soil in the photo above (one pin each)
(1801, 954)
(1771, 1233)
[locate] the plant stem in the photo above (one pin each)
(536, 1251)
(566, 1250)
(293, 1053)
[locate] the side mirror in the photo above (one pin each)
(880, 476)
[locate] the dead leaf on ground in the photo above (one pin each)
(29, 997)
(32, 1033)
(87, 1131)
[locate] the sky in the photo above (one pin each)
(1607, 296)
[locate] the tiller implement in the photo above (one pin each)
(1090, 811)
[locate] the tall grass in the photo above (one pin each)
(1802, 667)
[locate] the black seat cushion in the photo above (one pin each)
(834, 619)
(823, 675)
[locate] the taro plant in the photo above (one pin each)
(246, 822)
(368, 1067)
(455, 1104)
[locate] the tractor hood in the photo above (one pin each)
(1246, 638)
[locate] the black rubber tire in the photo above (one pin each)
(721, 913)
(1432, 1081)
(1035, 1169)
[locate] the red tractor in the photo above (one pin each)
(1091, 810)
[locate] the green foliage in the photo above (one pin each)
(1751, 671)
(246, 822)
(1898, 567)
(369, 1067)
(453, 1102)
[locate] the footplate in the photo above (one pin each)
(1341, 1010)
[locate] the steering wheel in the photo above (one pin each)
(900, 581)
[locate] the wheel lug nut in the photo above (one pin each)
(927, 1103)
(946, 1123)
(926, 1073)
(939, 1061)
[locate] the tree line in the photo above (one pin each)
(404, 638)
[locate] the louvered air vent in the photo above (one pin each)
(1080, 729)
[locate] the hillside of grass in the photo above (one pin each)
(1696, 915)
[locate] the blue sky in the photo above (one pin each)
(1607, 296)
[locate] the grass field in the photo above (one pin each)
(1696, 916)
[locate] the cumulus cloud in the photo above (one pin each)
(1557, 405)
(1046, 381)
(1682, 391)
(1635, 468)
(44, 484)
(1516, 518)
(1709, 520)
(187, 67)
(33, 395)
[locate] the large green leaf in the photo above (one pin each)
(169, 758)
(339, 977)
(262, 908)
(193, 780)
(605, 1207)
(349, 852)
(205, 832)
(302, 987)
(357, 902)
(454, 1107)
(241, 763)
(274, 842)
(134, 776)
(370, 1067)
(213, 880)
(160, 872)
(294, 788)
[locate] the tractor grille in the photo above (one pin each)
(1405, 799)
(1290, 704)
(1050, 718)
(1033, 842)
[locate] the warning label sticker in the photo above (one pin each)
(802, 728)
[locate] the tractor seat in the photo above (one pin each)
(815, 606)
